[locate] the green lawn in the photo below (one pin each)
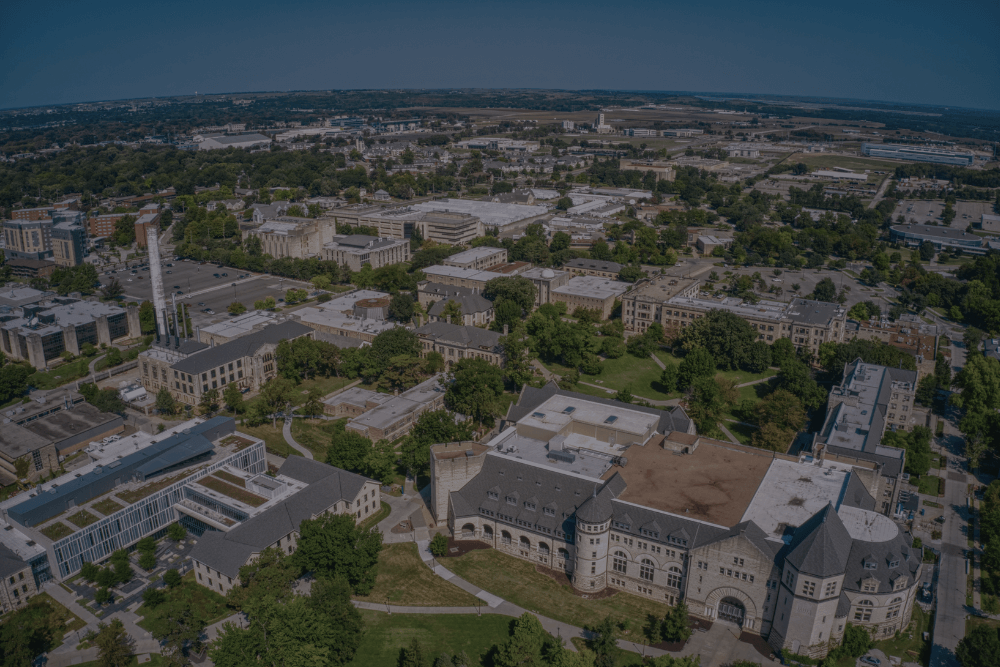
(385, 635)
(206, 605)
(314, 434)
(929, 485)
(83, 518)
(57, 531)
(271, 436)
(74, 370)
(404, 580)
(517, 581)
(742, 432)
(326, 385)
(107, 507)
(910, 645)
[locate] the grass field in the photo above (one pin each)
(385, 635)
(930, 485)
(742, 432)
(406, 581)
(314, 434)
(910, 645)
(517, 581)
(271, 436)
(859, 164)
(206, 605)
(61, 375)
(326, 385)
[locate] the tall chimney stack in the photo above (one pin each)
(156, 276)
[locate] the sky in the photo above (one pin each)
(942, 53)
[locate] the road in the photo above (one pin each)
(949, 621)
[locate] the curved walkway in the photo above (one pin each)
(286, 430)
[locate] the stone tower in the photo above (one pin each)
(593, 531)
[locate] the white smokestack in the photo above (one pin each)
(156, 275)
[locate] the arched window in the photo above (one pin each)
(505, 538)
(619, 563)
(863, 612)
(525, 542)
(674, 577)
(894, 606)
(543, 548)
(468, 531)
(646, 569)
(487, 532)
(564, 554)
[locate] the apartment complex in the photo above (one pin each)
(356, 250)
(620, 497)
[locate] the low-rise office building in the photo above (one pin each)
(455, 342)
(546, 281)
(43, 331)
(396, 417)
(674, 303)
(360, 315)
(458, 277)
(919, 154)
(476, 310)
(590, 292)
(193, 369)
(17, 295)
(354, 402)
(706, 244)
(593, 267)
(302, 489)
(357, 250)
(494, 215)
(31, 268)
(480, 259)
(45, 440)
(943, 238)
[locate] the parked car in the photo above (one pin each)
(871, 660)
(180, 292)
(201, 303)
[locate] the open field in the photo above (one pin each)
(404, 580)
(518, 581)
(855, 163)
(385, 635)
(314, 434)
(271, 436)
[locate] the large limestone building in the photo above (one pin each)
(622, 497)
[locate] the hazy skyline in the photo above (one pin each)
(944, 54)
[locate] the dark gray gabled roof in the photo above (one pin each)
(898, 550)
(470, 303)
(10, 562)
(821, 545)
(327, 485)
(693, 533)
(469, 337)
(593, 264)
(753, 533)
(671, 419)
(244, 346)
(856, 494)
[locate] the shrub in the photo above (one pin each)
(90, 572)
(176, 532)
(153, 596)
(439, 545)
(146, 545)
(147, 561)
(103, 596)
(172, 578)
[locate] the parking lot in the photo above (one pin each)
(201, 290)
(922, 212)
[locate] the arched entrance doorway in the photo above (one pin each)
(732, 610)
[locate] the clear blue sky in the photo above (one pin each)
(923, 52)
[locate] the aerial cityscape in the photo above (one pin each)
(318, 355)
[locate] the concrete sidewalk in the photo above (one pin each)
(286, 430)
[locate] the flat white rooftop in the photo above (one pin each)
(558, 411)
(472, 254)
(593, 287)
(492, 214)
(792, 492)
(243, 324)
(459, 272)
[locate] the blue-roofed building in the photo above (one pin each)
(131, 489)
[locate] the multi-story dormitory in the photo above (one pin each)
(622, 497)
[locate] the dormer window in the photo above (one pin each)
(511, 500)
(894, 563)
(530, 506)
(548, 511)
(492, 495)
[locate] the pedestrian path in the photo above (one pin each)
(286, 430)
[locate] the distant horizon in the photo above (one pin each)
(725, 95)
(924, 53)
